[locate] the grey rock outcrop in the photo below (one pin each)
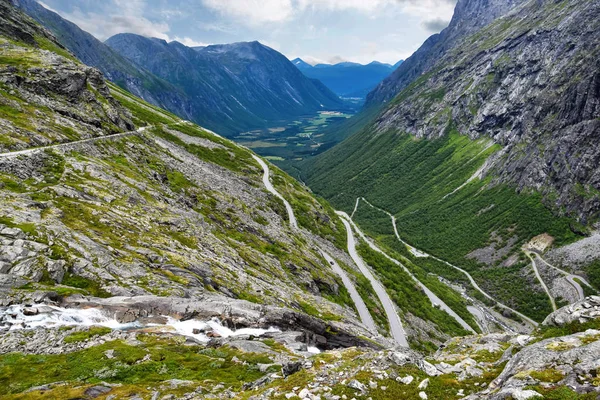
(581, 312)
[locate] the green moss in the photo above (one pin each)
(548, 375)
(250, 297)
(184, 239)
(178, 182)
(27, 228)
(83, 336)
(547, 332)
(11, 184)
(90, 286)
(312, 310)
(147, 365)
(562, 393)
(487, 356)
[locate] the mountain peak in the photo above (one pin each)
(301, 64)
(470, 15)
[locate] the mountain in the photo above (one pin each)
(468, 18)
(104, 194)
(202, 228)
(234, 88)
(301, 64)
(143, 256)
(483, 142)
(269, 91)
(347, 79)
(116, 68)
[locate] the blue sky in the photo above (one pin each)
(316, 30)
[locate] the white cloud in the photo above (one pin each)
(336, 60)
(434, 14)
(189, 42)
(338, 5)
(253, 12)
(256, 12)
(123, 16)
(309, 60)
(120, 16)
(47, 7)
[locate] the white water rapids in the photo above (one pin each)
(15, 318)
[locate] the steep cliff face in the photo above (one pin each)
(530, 81)
(469, 16)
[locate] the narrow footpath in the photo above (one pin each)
(36, 150)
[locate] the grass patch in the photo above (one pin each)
(90, 286)
(547, 332)
(313, 311)
(83, 336)
(152, 362)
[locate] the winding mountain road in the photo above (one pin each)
(396, 328)
(361, 307)
(572, 278)
(577, 286)
(539, 278)
(271, 189)
(36, 150)
(468, 275)
(435, 300)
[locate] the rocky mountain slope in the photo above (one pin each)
(106, 195)
(349, 80)
(115, 67)
(483, 144)
(142, 256)
(558, 361)
(469, 17)
(148, 204)
(235, 87)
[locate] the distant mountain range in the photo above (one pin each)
(234, 87)
(347, 79)
(228, 88)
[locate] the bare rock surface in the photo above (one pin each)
(581, 312)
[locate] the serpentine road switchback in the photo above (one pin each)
(468, 275)
(396, 327)
(363, 311)
(435, 300)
